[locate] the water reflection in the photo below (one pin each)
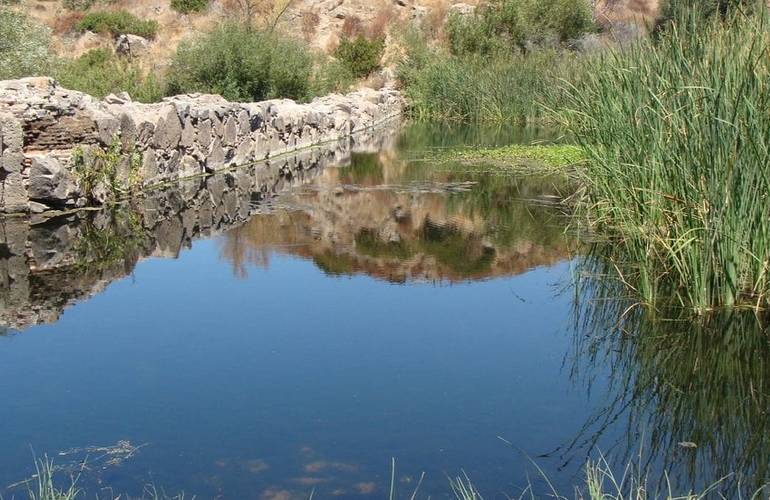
(693, 394)
(400, 221)
(363, 209)
(421, 136)
(49, 264)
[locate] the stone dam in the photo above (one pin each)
(61, 149)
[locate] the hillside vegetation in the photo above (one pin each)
(331, 44)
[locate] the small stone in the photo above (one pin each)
(231, 131)
(38, 208)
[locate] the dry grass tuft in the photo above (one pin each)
(310, 21)
(378, 27)
(66, 22)
(352, 26)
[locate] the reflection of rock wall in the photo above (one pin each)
(394, 232)
(47, 264)
(181, 137)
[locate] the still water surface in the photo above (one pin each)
(384, 306)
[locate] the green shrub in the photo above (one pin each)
(188, 6)
(242, 64)
(360, 55)
(118, 22)
(100, 72)
(23, 46)
(509, 25)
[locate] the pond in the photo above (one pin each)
(295, 329)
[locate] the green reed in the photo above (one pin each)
(507, 88)
(678, 131)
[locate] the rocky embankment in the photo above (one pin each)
(62, 149)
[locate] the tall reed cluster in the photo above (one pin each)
(678, 134)
(499, 89)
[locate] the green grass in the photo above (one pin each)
(601, 482)
(43, 486)
(677, 135)
(502, 64)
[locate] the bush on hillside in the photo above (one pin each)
(510, 25)
(100, 72)
(188, 6)
(242, 64)
(360, 55)
(119, 22)
(331, 76)
(23, 46)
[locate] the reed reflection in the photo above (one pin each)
(693, 393)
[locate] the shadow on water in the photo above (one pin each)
(692, 394)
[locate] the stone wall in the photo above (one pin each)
(42, 124)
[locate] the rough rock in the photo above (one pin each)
(50, 183)
(131, 45)
(461, 9)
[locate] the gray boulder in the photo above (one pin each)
(50, 183)
(131, 45)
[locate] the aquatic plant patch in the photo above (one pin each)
(536, 159)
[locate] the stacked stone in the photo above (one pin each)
(13, 195)
(181, 137)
